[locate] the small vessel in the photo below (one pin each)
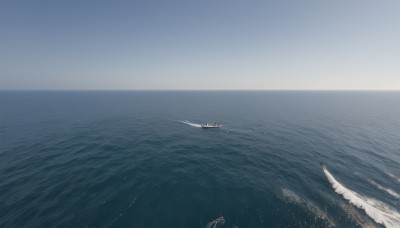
(215, 125)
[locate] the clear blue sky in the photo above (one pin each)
(207, 44)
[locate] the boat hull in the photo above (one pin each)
(204, 126)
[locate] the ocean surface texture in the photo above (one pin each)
(141, 159)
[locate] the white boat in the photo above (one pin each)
(210, 125)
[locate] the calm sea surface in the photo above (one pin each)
(140, 159)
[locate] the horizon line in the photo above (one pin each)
(216, 90)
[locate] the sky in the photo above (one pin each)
(196, 45)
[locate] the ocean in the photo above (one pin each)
(141, 159)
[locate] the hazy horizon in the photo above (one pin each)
(200, 90)
(208, 45)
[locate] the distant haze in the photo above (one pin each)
(95, 45)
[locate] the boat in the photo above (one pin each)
(215, 125)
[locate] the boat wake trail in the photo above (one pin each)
(190, 123)
(292, 197)
(393, 176)
(353, 213)
(215, 222)
(238, 130)
(222, 127)
(377, 210)
(387, 190)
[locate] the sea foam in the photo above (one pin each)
(377, 210)
(311, 207)
(190, 123)
(214, 223)
(387, 190)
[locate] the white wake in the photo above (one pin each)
(214, 223)
(377, 210)
(190, 123)
(387, 190)
(393, 176)
(363, 220)
(292, 197)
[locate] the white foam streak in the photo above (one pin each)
(387, 190)
(190, 123)
(310, 206)
(378, 211)
(363, 220)
(214, 223)
(393, 176)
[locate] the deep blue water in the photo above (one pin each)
(128, 159)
